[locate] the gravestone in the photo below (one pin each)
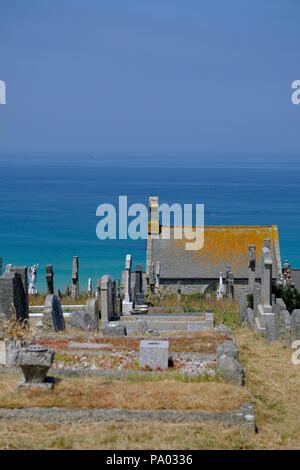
(270, 332)
(22, 270)
(179, 289)
(9, 351)
(81, 320)
(106, 300)
(98, 291)
(138, 288)
(49, 279)
(279, 305)
(295, 325)
(118, 300)
(266, 286)
(243, 309)
(157, 276)
(283, 326)
(229, 348)
(75, 277)
(154, 354)
(256, 298)
(231, 370)
(92, 309)
(127, 304)
(0, 266)
(13, 296)
(250, 316)
(53, 318)
(68, 290)
(251, 268)
(57, 293)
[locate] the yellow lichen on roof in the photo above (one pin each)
(229, 244)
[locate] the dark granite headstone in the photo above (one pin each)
(138, 288)
(53, 318)
(13, 296)
(22, 270)
(138, 279)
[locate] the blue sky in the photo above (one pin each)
(143, 78)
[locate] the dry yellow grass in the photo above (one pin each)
(39, 299)
(272, 381)
(109, 435)
(97, 393)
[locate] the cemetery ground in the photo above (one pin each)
(272, 385)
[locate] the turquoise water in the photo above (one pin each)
(48, 211)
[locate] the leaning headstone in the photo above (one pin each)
(92, 309)
(53, 318)
(231, 370)
(154, 354)
(81, 320)
(295, 325)
(13, 298)
(49, 279)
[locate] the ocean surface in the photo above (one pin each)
(48, 210)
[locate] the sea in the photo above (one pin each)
(48, 207)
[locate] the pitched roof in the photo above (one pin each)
(222, 245)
